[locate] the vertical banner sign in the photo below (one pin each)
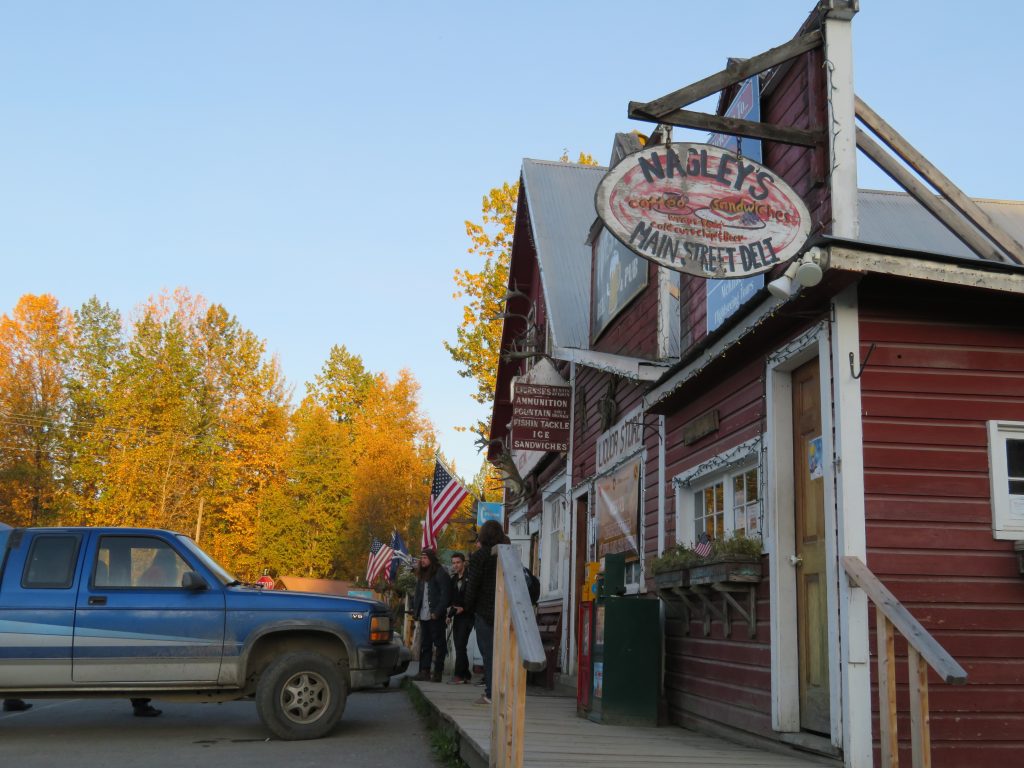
(540, 418)
(724, 297)
(703, 210)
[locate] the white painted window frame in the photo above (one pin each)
(724, 467)
(555, 498)
(1007, 516)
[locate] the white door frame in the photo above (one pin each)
(780, 530)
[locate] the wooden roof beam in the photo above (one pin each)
(935, 206)
(733, 126)
(949, 191)
(740, 70)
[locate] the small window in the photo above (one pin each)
(1006, 478)
(51, 562)
(721, 504)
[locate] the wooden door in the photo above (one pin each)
(811, 590)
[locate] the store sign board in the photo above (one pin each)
(622, 440)
(618, 510)
(702, 210)
(540, 417)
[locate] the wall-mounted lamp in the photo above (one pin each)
(1018, 548)
(805, 271)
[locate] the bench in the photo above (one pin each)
(549, 623)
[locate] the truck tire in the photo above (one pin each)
(301, 696)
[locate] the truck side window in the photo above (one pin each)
(137, 561)
(51, 562)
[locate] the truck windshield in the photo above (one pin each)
(216, 568)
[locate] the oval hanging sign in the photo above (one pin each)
(703, 210)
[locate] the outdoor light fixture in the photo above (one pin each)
(805, 271)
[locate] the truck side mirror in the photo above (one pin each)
(193, 581)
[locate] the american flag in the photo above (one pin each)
(399, 555)
(378, 562)
(446, 493)
(703, 545)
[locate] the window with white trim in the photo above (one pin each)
(1006, 478)
(719, 504)
(553, 543)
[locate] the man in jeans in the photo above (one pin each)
(462, 621)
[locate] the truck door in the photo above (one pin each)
(37, 608)
(135, 623)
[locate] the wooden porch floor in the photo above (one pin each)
(556, 738)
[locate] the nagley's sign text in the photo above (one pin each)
(540, 418)
(703, 210)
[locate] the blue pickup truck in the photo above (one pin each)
(146, 613)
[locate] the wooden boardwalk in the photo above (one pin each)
(556, 738)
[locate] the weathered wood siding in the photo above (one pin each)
(945, 362)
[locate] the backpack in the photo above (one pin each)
(532, 585)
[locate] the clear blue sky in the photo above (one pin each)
(309, 165)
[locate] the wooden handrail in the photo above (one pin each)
(517, 648)
(892, 616)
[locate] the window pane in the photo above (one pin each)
(138, 561)
(1017, 487)
(753, 487)
(51, 563)
(1015, 458)
(719, 497)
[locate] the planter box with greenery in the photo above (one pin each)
(685, 578)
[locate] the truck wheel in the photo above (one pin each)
(301, 696)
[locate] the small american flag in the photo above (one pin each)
(379, 561)
(446, 493)
(703, 545)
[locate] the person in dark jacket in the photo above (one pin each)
(480, 581)
(430, 608)
(462, 620)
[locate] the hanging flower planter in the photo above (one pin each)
(727, 569)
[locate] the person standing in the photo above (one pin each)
(462, 621)
(481, 578)
(430, 607)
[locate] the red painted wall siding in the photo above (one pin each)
(946, 361)
(591, 386)
(727, 680)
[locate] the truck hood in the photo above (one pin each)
(255, 599)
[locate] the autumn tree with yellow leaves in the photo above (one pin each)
(179, 419)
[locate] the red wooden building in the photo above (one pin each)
(871, 423)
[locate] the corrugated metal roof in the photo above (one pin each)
(560, 200)
(897, 220)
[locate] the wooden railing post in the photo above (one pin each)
(920, 730)
(517, 648)
(923, 651)
(887, 733)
